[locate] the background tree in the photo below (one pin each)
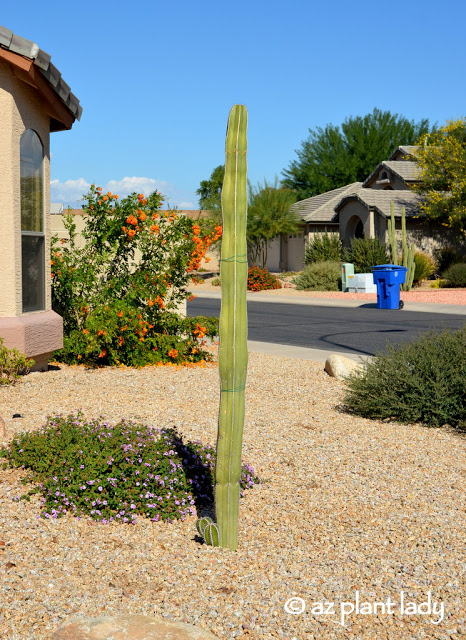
(441, 157)
(338, 155)
(210, 191)
(269, 216)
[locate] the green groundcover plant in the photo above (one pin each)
(118, 294)
(115, 473)
(422, 381)
(12, 364)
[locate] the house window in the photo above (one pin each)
(32, 221)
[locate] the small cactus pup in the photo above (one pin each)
(233, 350)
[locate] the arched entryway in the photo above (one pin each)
(354, 229)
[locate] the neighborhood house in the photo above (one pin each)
(34, 101)
(361, 209)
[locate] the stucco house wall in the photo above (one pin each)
(20, 109)
(33, 96)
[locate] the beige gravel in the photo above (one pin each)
(347, 505)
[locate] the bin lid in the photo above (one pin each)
(388, 267)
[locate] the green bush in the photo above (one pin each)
(447, 256)
(365, 253)
(115, 473)
(320, 276)
(323, 247)
(119, 293)
(424, 266)
(456, 275)
(422, 381)
(216, 282)
(261, 279)
(12, 364)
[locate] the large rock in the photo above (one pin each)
(340, 367)
(128, 627)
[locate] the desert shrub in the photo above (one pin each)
(320, 276)
(115, 473)
(12, 364)
(260, 279)
(216, 282)
(118, 295)
(424, 266)
(422, 381)
(324, 247)
(366, 253)
(456, 275)
(446, 256)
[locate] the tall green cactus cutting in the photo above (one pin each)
(233, 351)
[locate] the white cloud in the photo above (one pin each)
(186, 205)
(71, 192)
(128, 185)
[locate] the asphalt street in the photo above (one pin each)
(361, 330)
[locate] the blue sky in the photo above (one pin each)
(157, 79)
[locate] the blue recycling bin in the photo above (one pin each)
(388, 278)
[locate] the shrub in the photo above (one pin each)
(424, 266)
(365, 253)
(320, 276)
(117, 334)
(216, 282)
(12, 364)
(115, 473)
(323, 247)
(447, 256)
(260, 279)
(456, 275)
(118, 295)
(422, 381)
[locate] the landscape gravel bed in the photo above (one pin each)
(347, 505)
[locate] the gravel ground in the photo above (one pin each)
(348, 505)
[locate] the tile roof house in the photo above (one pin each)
(34, 101)
(362, 209)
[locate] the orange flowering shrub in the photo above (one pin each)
(118, 295)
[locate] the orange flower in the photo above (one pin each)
(155, 216)
(85, 331)
(131, 233)
(196, 229)
(142, 216)
(120, 314)
(105, 198)
(79, 356)
(99, 189)
(154, 228)
(124, 229)
(173, 353)
(131, 220)
(103, 353)
(116, 197)
(109, 193)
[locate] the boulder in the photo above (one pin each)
(340, 367)
(128, 627)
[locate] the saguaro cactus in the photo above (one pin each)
(233, 351)
(407, 255)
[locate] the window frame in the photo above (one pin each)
(40, 257)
